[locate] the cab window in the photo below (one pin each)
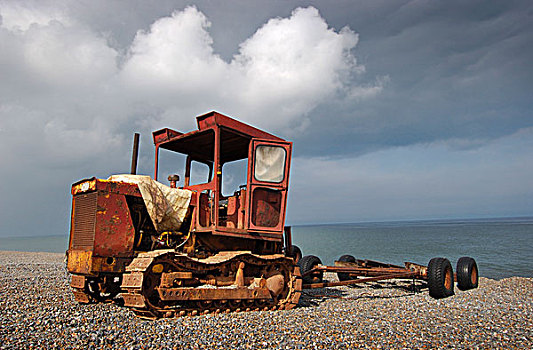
(269, 163)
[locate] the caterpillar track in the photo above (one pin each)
(165, 283)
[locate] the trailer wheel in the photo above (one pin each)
(467, 273)
(440, 278)
(307, 263)
(343, 276)
(296, 253)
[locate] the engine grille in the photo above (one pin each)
(84, 220)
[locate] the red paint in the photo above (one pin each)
(258, 211)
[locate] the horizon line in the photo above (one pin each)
(354, 223)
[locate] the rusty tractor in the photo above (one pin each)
(167, 251)
(170, 251)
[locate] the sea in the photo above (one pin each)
(502, 247)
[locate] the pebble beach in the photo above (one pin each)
(37, 311)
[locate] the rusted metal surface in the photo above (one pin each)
(267, 199)
(108, 264)
(102, 216)
(213, 293)
(133, 300)
(170, 277)
(257, 211)
(359, 280)
(371, 271)
(80, 262)
(114, 229)
(83, 220)
(228, 254)
(77, 281)
(420, 270)
(115, 247)
(93, 184)
(84, 186)
(132, 280)
(359, 271)
(296, 288)
(102, 232)
(366, 263)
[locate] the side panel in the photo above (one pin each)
(114, 232)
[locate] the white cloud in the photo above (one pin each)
(281, 73)
(18, 16)
(174, 58)
(54, 92)
(50, 57)
(67, 56)
(69, 74)
(291, 65)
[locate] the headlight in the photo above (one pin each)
(84, 186)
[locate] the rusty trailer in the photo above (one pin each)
(350, 271)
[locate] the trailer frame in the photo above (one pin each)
(371, 270)
(438, 275)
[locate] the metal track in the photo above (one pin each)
(149, 296)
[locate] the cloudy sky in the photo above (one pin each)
(398, 110)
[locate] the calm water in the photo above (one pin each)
(501, 247)
(54, 244)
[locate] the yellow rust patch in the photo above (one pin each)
(158, 268)
(102, 265)
(79, 261)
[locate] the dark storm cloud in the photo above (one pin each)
(455, 69)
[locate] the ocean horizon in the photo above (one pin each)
(501, 246)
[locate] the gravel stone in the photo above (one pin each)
(38, 311)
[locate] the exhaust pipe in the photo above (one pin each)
(135, 153)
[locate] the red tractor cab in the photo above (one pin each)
(256, 210)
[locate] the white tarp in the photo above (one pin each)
(166, 206)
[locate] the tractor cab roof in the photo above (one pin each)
(234, 136)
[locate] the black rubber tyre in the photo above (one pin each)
(467, 273)
(342, 275)
(307, 263)
(440, 278)
(295, 252)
